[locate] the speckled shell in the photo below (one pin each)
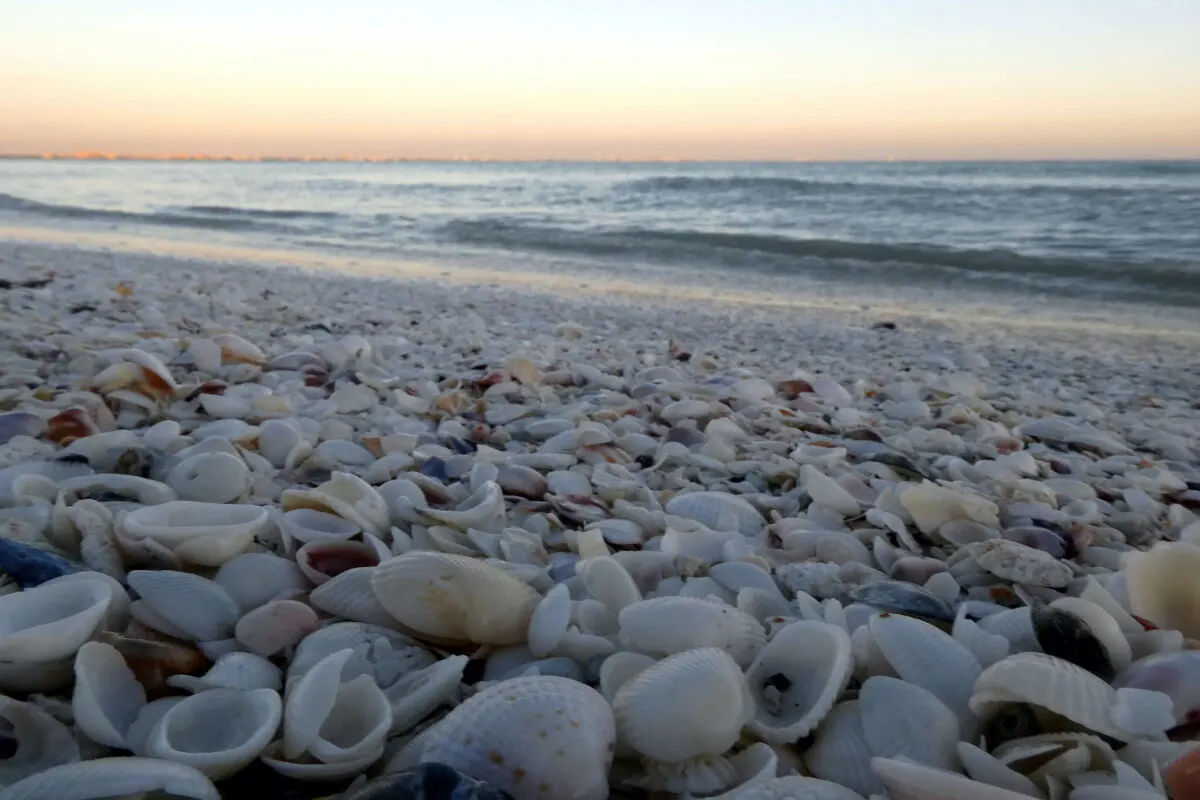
(537, 738)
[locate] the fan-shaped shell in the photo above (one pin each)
(208, 534)
(351, 596)
(797, 678)
(668, 625)
(840, 752)
(902, 719)
(719, 511)
(455, 598)
(194, 606)
(538, 738)
(219, 731)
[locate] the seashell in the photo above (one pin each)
(20, 423)
(383, 653)
(309, 769)
(903, 598)
(907, 780)
(1052, 684)
(236, 350)
(1020, 564)
(41, 742)
(932, 506)
(1182, 777)
(335, 722)
(931, 659)
(195, 607)
(428, 780)
(797, 678)
(791, 787)
(521, 481)
(421, 691)
(253, 579)
(153, 662)
(985, 768)
(537, 737)
(988, 648)
(826, 491)
(484, 510)
(107, 695)
(210, 478)
(275, 626)
(666, 625)
(1162, 586)
(902, 719)
(718, 511)
(277, 439)
(1083, 633)
(323, 560)
(1173, 674)
(113, 777)
(30, 566)
(219, 731)
(681, 715)
(346, 496)
(840, 753)
(549, 621)
(140, 490)
(308, 525)
(351, 596)
(56, 471)
(454, 598)
(50, 622)
(235, 670)
(208, 534)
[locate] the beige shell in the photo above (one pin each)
(1163, 588)
(454, 598)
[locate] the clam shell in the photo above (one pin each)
(1021, 564)
(219, 731)
(208, 534)
(1083, 633)
(454, 598)
(351, 596)
(232, 671)
(484, 510)
(322, 560)
(381, 652)
(797, 678)
(195, 607)
(607, 580)
(210, 478)
(253, 579)
(667, 625)
(107, 695)
(309, 703)
(356, 725)
(902, 719)
(549, 621)
(344, 495)
(113, 777)
(840, 752)
(906, 780)
(419, 692)
(51, 621)
(272, 628)
(719, 511)
(540, 737)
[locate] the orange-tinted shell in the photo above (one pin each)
(69, 425)
(1183, 777)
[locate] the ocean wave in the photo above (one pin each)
(733, 183)
(784, 253)
(215, 220)
(259, 213)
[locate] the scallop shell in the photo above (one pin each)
(684, 713)
(208, 534)
(454, 598)
(219, 731)
(538, 738)
(351, 596)
(195, 607)
(719, 511)
(113, 777)
(42, 742)
(667, 625)
(902, 719)
(1050, 683)
(797, 678)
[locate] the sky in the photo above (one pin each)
(582, 79)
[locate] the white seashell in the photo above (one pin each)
(344, 495)
(380, 652)
(312, 770)
(51, 622)
(194, 606)
(539, 738)
(719, 511)
(420, 692)
(549, 621)
(1019, 563)
(351, 596)
(208, 534)
(275, 626)
(219, 731)
(1143, 713)
(341, 451)
(667, 625)
(41, 742)
(56, 471)
(253, 579)
(840, 752)
(276, 439)
(607, 580)
(1050, 683)
(454, 598)
(107, 696)
(620, 668)
(243, 671)
(221, 406)
(932, 506)
(902, 719)
(907, 780)
(988, 648)
(356, 725)
(826, 491)
(210, 478)
(113, 777)
(310, 701)
(309, 525)
(931, 659)
(143, 490)
(797, 678)
(684, 713)
(484, 510)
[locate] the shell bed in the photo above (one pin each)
(252, 552)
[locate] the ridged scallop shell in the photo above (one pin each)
(455, 598)
(719, 511)
(840, 752)
(538, 738)
(253, 579)
(208, 534)
(1050, 683)
(107, 696)
(667, 625)
(219, 731)
(607, 580)
(902, 719)
(681, 715)
(351, 596)
(797, 678)
(41, 742)
(193, 606)
(114, 777)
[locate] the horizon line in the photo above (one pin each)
(93, 156)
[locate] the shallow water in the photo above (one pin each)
(1105, 230)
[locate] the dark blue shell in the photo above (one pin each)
(29, 566)
(428, 782)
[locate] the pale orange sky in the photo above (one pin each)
(762, 79)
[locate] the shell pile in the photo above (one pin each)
(349, 557)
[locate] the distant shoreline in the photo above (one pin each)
(202, 159)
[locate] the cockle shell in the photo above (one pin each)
(667, 625)
(797, 678)
(208, 534)
(454, 598)
(219, 731)
(681, 715)
(253, 579)
(538, 738)
(188, 606)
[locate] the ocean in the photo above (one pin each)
(1115, 231)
